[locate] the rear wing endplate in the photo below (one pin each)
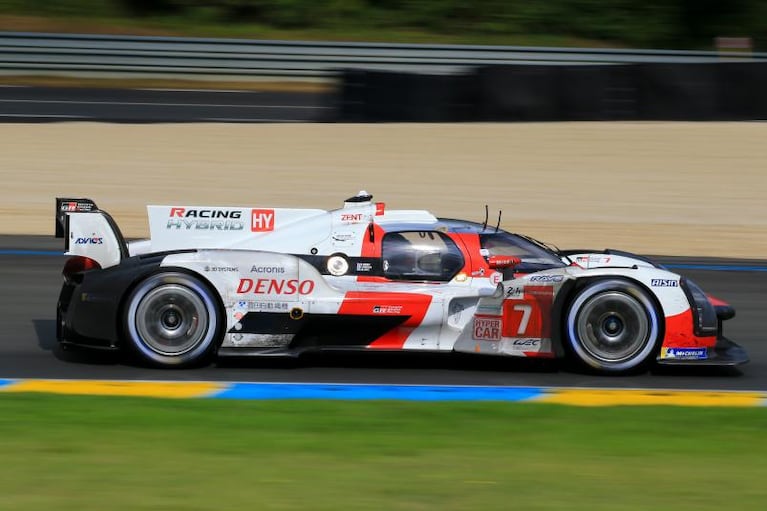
(89, 232)
(64, 206)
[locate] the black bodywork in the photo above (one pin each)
(90, 303)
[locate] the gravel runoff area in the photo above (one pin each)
(673, 188)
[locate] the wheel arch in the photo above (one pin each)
(567, 295)
(149, 272)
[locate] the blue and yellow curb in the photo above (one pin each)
(338, 391)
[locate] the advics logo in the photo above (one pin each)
(93, 240)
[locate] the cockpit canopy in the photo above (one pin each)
(420, 255)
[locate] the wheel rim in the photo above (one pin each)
(171, 319)
(613, 326)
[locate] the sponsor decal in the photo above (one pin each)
(72, 206)
(363, 267)
(204, 213)
(205, 219)
(546, 278)
(204, 225)
(221, 268)
(264, 306)
(262, 220)
(595, 259)
(487, 329)
(92, 240)
(684, 353)
(664, 283)
(496, 278)
(238, 315)
(478, 273)
(387, 309)
(352, 217)
(380, 208)
(257, 340)
(503, 261)
(343, 237)
(515, 292)
(267, 269)
(275, 286)
(527, 343)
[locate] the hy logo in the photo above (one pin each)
(262, 220)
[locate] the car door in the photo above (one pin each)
(419, 266)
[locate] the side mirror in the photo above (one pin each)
(499, 262)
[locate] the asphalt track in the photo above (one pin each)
(48, 104)
(30, 275)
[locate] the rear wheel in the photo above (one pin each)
(613, 326)
(172, 319)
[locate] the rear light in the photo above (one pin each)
(77, 265)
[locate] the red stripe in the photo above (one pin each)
(372, 249)
(679, 333)
(471, 248)
(539, 354)
(388, 304)
(717, 302)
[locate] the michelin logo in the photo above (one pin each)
(684, 353)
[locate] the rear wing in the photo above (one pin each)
(89, 232)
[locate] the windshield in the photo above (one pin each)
(534, 254)
(534, 257)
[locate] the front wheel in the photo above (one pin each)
(613, 326)
(172, 319)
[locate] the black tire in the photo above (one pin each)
(172, 319)
(613, 326)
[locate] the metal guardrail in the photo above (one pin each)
(121, 56)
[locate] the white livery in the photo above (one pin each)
(279, 282)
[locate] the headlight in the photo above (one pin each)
(704, 320)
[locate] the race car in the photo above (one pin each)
(264, 281)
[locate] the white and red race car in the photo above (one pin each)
(270, 281)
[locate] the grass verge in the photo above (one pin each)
(94, 453)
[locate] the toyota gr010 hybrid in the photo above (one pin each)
(262, 281)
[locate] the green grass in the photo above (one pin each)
(90, 453)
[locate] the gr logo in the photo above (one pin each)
(262, 220)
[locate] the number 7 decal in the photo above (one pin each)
(530, 316)
(525, 309)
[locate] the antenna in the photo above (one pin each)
(500, 212)
(484, 225)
